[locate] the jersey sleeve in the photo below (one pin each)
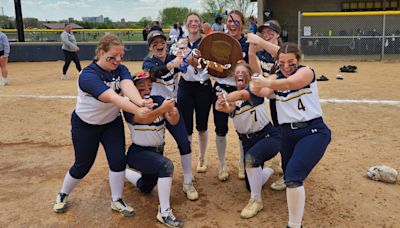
(90, 83)
(254, 100)
(124, 73)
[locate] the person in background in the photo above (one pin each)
(206, 28)
(218, 26)
(252, 25)
(4, 52)
(174, 33)
(156, 26)
(145, 32)
(70, 49)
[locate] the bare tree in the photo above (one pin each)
(245, 6)
(215, 6)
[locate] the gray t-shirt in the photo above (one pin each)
(217, 27)
(69, 42)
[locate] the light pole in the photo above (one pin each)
(19, 21)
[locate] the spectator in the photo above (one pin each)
(206, 28)
(156, 26)
(252, 25)
(174, 33)
(70, 49)
(145, 32)
(218, 26)
(4, 52)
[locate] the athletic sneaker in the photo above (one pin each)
(4, 82)
(251, 209)
(201, 165)
(64, 77)
(60, 206)
(223, 174)
(122, 207)
(191, 192)
(241, 174)
(279, 184)
(168, 218)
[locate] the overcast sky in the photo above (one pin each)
(132, 10)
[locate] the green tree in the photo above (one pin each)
(215, 6)
(144, 21)
(31, 22)
(171, 15)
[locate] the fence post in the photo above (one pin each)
(383, 36)
(299, 29)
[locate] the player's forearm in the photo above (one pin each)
(130, 90)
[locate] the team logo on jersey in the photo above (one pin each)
(114, 85)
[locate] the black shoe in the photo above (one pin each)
(168, 218)
(322, 78)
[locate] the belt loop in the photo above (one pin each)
(292, 126)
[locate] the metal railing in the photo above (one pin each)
(350, 35)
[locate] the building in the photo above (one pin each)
(99, 19)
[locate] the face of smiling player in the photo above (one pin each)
(234, 25)
(242, 76)
(159, 48)
(193, 24)
(144, 87)
(288, 63)
(110, 60)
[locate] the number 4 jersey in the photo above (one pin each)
(298, 105)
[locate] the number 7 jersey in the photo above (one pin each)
(301, 105)
(250, 116)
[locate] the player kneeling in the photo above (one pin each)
(145, 155)
(261, 141)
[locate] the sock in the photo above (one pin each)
(241, 154)
(186, 161)
(220, 141)
(164, 190)
(255, 180)
(69, 183)
(132, 176)
(190, 139)
(296, 198)
(266, 174)
(203, 143)
(117, 180)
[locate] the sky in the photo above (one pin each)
(131, 10)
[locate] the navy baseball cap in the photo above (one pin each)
(271, 25)
(153, 34)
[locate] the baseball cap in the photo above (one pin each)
(218, 15)
(271, 25)
(153, 34)
(140, 77)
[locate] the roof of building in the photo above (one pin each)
(60, 26)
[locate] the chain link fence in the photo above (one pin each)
(350, 35)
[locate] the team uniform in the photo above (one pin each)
(305, 136)
(195, 94)
(267, 64)
(146, 151)
(94, 122)
(229, 85)
(261, 141)
(166, 86)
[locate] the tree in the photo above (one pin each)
(144, 21)
(171, 15)
(219, 6)
(30, 22)
(245, 6)
(215, 6)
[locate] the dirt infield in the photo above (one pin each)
(36, 152)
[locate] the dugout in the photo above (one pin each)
(286, 11)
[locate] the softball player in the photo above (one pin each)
(96, 119)
(195, 93)
(4, 53)
(305, 136)
(163, 68)
(146, 152)
(261, 141)
(270, 31)
(235, 23)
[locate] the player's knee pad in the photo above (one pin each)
(293, 184)
(167, 170)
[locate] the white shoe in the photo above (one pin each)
(191, 192)
(4, 82)
(201, 165)
(122, 207)
(60, 206)
(251, 209)
(64, 77)
(279, 184)
(168, 218)
(223, 174)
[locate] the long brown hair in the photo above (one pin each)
(290, 47)
(106, 42)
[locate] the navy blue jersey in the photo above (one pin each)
(166, 81)
(92, 82)
(266, 61)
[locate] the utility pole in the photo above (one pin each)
(19, 21)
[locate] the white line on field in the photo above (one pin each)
(332, 100)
